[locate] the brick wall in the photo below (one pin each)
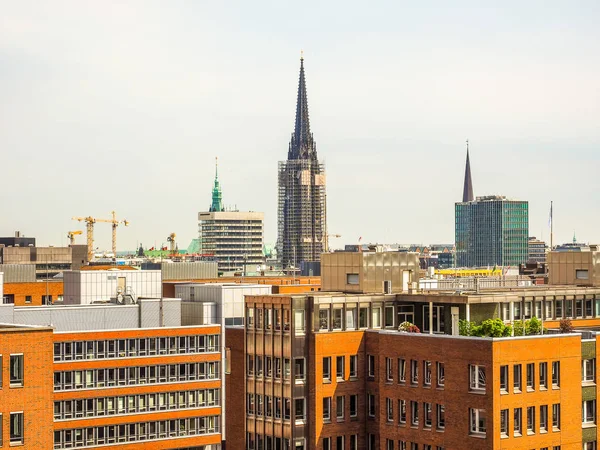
(36, 290)
(235, 402)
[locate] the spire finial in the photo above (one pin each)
(216, 166)
(468, 183)
(467, 146)
(301, 55)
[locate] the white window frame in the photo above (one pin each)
(475, 418)
(477, 378)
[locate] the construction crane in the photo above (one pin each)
(333, 236)
(89, 224)
(71, 235)
(171, 241)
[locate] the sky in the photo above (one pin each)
(124, 105)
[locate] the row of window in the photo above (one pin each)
(278, 368)
(530, 376)
(136, 432)
(133, 404)
(126, 348)
(407, 445)
(401, 371)
(340, 442)
(427, 409)
(15, 370)
(340, 407)
(274, 319)
(533, 424)
(16, 429)
(272, 407)
(554, 309)
(123, 376)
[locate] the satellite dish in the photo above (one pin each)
(120, 298)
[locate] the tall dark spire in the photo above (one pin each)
(468, 186)
(302, 145)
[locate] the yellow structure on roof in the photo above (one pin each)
(496, 271)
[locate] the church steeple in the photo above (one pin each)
(217, 197)
(302, 145)
(468, 185)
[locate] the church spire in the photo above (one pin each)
(468, 185)
(217, 197)
(302, 145)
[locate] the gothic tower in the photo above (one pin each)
(302, 212)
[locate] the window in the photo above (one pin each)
(340, 367)
(427, 413)
(371, 368)
(504, 379)
(588, 370)
(337, 318)
(353, 366)
(326, 408)
(530, 419)
(406, 313)
(440, 417)
(477, 377)
(376, 317)
(579, 308)
(299, 373)
(588, 412)
(543, 375)
(530, 376)
(389, 316)
(556, 417)
(517, 421)
(543, 418)
(350, 317)
(326, 443)
(517, 378)
(427, 373)
(558, 309)
(354, 442)
(414, 371)
(339, 442)
(300, 409)
(591, 445)
(414, 414)
(477, 420)
(401, 370)
(327, 368)
(441, 374)
(324, 318)
(353, 405)
(389, 444)
(555, 374)
(389, 407)
(16, 370)
(28, 299)
(371, 404)
(401, 411)
(16, 428)
(504, 423)
(363, 317)
(581, 274)
(339, 407)
(299, 322)
(352, 278)
(389, 375)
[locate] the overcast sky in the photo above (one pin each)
(124, 105)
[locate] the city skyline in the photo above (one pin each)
(133, 121)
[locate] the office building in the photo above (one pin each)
(302, 206)
(232, 238)
(344, 370)
(537, 250)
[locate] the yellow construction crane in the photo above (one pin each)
(326, 249)
(71, 235)
(171, 241)
(89, 223)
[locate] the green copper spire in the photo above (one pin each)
(217, 197)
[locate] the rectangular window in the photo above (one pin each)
(340, 407)
(28, 299)
(299, 372)
(427, 373)
(558, 309)
(441, 374)
(16, 428)
(414, 371)
(477, 421)
(579, 308)
(555, 374)
(327, 368)
(530, 376)
(340, 367)
(588, 412)
(324, 319)
(504, 379)
(389, 316)
(363, 317)
(326, 443)
(339, 442)
(543, 418)
(517, 378)
(376, 317)
(371, 368)
(543, 375)
(352, 279)
(389, 375)
(371, 405)
(16, 370)
(401, 411)
(517, 421)
(427, 415)
(337, 318)
(300, 409)
(350, 317)
(414, 414)
(556, 417)
(389, 444)
(326, 408)
(569, 308)
(401, 370)
(353, 366)
(354, 442)
(389, 407)
(440, 417)
(581, 274)
(504, 423)
(588, 370)
(299, 322)
(353, 405)
(477, 378)
(530, 419)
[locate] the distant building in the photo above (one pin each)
(17, 241)
(302, 212)
(537, 250)
(232, 238)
